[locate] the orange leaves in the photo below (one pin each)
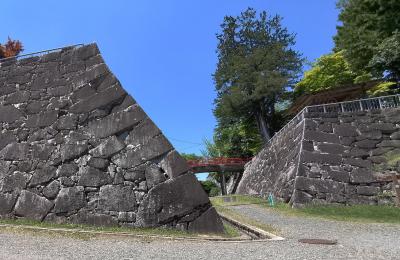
(10, 48)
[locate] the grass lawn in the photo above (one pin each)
(356, 213)
(20, 224)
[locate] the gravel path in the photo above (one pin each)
(356, 241)
(372, 241)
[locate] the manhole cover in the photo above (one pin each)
(318, 241)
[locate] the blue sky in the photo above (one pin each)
(163, 51)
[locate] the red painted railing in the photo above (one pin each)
(222, 161)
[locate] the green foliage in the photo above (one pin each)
(366, 24)
(382, 89)
(210, 187)
(256, 63)
(329, 71)
(387, 57)
(190, 156)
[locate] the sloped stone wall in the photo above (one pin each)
(274, 169)
(75, 147)
(336, 158)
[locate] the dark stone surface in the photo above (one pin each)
(76, 148)
(70, 200)
(33, 206)
(206, 223)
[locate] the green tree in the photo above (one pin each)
(387, 57)
(256, 65)
(365, 25)
(329, 71)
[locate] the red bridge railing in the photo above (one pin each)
(222, 161)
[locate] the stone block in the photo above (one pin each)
(42, 120)
(366, 144)
(142, 133)
(184, 195)
(331, 159)
(51, 190)
(174, 165)
(395, 135)
(67, 170)
(345, 130)
(72, 151)
(361, 175)
(15, 181)
(43, 175)
(357, 162)
(321, 137)
(15, 152)
(9, 114)
(208, 222)
(92, 177)
(331, 148)
(108, 147)
(116, 123)
(70, 200)
(7, 202)
(33, 206)
(117, 198)
(389, 143)
(368, 190)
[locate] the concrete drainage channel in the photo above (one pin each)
(255, 234)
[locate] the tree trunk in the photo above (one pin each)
(263, 126)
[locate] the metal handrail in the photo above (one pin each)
(380, 101)
(40, 52)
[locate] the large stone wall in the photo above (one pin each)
(76, 148)
(273, 170)
(342, 156)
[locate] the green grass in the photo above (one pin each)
(355, 213)
(167, 232)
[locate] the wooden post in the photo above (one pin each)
(396, 188)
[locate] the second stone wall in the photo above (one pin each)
(329, 158)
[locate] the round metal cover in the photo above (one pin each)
(318, 241)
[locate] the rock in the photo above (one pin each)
(93, 177)
(357, 162)
(367, 190)
(43, 175)
(395, 135)
(98, 163)
(154, 148)
(42, 151)
(109, 96)
(321, 137)
(51, 190)
(67, 170)
(116, 123)
(389, 143)
(9, 114)
(7, 202)
(6, 138)
(33, 206)
(345, 130)
(127, 216)
(154, 176)
(366, 144)
(70, 200)
(83, 217)
(142, 133)
(15, 152)
(15, 181)
(42, 120)
(331, 148)
(134, 175)
(208, 222)
(332, 159)
(361, 175)
(117, 198)
(69, 151)
(107, 148)
(174, 165)
(184, 195)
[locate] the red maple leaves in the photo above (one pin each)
(10, 48)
